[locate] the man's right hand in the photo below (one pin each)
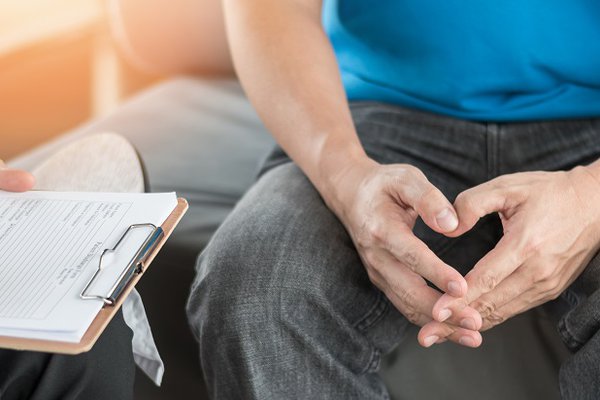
(14, 180)
(379, 205)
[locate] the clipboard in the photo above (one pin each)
(125, 283)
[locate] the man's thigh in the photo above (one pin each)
(281, 286)
(282, 243)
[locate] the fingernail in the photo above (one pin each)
(429, 340)
(468, 323)
(446, 220)
(444, 314)
(454, 288)
(467, 341)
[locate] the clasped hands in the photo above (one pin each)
(551, 223)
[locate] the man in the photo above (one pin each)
(105, 372)
(325, 262)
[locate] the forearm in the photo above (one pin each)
(289, 71)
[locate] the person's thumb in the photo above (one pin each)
(14, 180)
(430, 203)
(475, 203)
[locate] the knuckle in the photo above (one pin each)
(371, 260)
(530, 279)
(555, 294)
(373, 265)
(372, 231)
(430, 196)
(542, 276)
(398, 290)
(495, 318)
(464, 200)
(371, 275)
(404, 301)
(552, 287)
(411, 315)
(377, 232)
(485, 307)
(411, 171)
(407, 174)
(466, 204)
(407, 296)
(461, 197)
(410, 258)
(361, 238)
(532, 247)
(400, 175)
(488, 281)
(486, 325)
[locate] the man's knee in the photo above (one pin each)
(280, 245)
(281, 262)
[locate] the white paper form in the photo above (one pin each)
(50, 246)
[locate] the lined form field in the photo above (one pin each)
(44, 246)
(50, 247)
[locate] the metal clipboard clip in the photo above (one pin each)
(134, 266)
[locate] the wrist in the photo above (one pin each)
(341, 174)
(585, 180)
(588, 192)
(594, 170)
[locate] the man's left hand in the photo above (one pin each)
(551, 224)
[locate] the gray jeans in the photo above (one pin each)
(282, 306)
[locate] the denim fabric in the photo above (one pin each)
(282, 306)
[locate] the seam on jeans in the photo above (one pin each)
(373, 363)
(492, 132)
(570, 297)
(561, 387)
(570, 340)
(374, 314)
(499, 159)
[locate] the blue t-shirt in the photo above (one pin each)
(502, 60)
